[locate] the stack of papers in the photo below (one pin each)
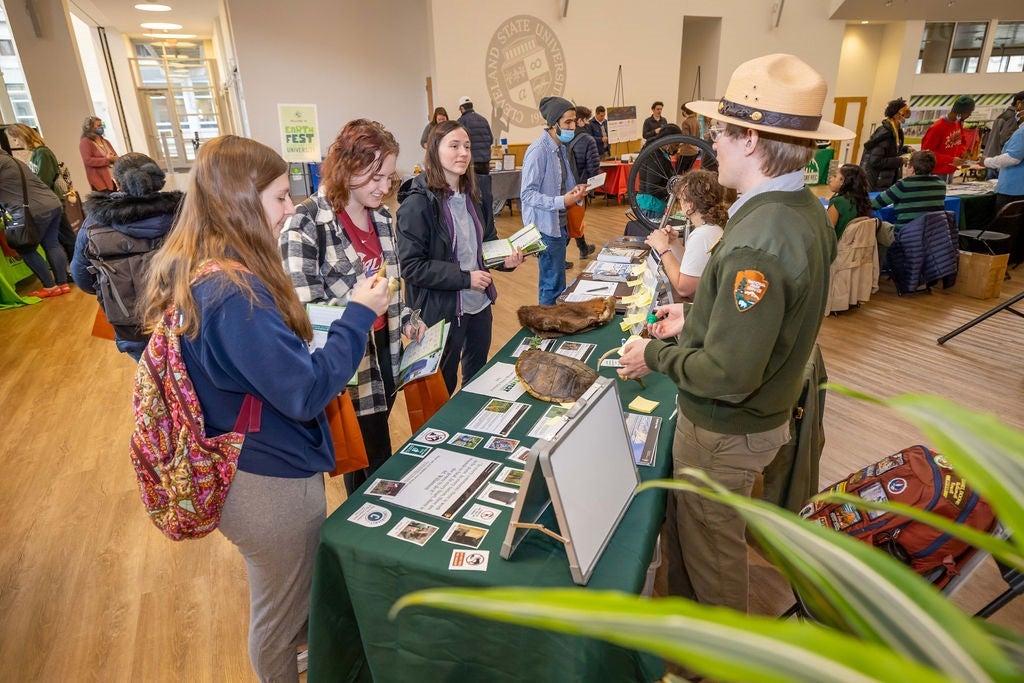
(618, 254)
(528, 239)
(613, 272)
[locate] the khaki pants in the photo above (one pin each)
(704, 542)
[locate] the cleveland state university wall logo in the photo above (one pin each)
(525, 63)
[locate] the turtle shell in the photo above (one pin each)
(552, 376)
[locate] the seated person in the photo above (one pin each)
(849, 200)
(702, 199)
(917, 194)
(657, 169)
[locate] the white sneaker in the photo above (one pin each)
(303, 660)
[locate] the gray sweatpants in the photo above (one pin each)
(275, 523)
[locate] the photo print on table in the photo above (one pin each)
(465, 534)
(413, 531)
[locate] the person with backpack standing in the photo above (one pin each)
(20, 186)
(139, 215)
(98, 154)
(244, 333)
(45, 165)
(340, 236)
(585, 162)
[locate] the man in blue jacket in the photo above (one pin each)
(548, 187)
(480, 139)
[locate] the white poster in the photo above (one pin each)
(300, 140)
(442, 483)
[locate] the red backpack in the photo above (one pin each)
(921, 478)
(183, 475)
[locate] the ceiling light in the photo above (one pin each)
(170, 35)
(151, 7)
(161, 25)
(863, 22)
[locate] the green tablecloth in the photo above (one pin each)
(360, 572)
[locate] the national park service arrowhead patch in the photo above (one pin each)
(750, 288)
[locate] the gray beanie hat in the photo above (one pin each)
(138, 175)
(552, 108)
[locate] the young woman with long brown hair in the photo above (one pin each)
(441, 228)
(244, 332)
(339, 237)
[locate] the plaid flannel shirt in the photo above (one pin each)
(328, 278)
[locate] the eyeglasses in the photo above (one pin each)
(715, 132)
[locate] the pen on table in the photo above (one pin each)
(674, 412)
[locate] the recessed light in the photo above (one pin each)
(170, 35)
(152, 7)
(863, 22)
(161, 25)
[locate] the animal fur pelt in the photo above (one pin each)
(554, 321)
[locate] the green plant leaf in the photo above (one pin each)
(713, 641)
(856, 588)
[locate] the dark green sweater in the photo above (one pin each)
(740, 359)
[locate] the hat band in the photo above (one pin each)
(763, 117)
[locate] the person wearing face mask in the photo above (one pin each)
(98, 154)
(945, 138)
(340, 237)
(884, 152)
(548, 187)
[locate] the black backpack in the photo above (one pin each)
(120, 263)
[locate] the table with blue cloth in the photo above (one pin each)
(360, 572)
(970, 210)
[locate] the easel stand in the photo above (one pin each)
(1005, 306)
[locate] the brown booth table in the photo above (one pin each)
(360, 572)
(617, 179)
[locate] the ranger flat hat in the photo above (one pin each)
(777, 93)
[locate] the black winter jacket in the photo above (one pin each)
(480, 136)
(430, 267)
(881, 160)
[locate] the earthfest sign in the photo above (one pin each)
(525, 63)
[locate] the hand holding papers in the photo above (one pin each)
(422, 357)
(528, 239)
(596, 182)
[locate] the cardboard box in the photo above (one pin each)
(980, 275)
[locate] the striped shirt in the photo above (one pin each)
(913, 196)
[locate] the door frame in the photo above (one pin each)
(842, 105)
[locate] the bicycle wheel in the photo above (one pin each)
(654, 166)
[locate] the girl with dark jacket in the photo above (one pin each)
(884, 152)
(440, 233)
(139, 211)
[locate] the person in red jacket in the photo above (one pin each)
(945, 138)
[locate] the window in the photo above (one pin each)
(948, 47)
(6, 47)
(1007, 48)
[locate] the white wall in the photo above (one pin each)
(352, 59)
(55, 79)
(645, 37)
(700, 48)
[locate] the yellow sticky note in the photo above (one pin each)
(630, 320)
(634, 283)
(643, 300)
(643, 405)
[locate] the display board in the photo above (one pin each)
(586, 471)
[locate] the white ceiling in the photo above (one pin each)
(926, 10)
(195, 16)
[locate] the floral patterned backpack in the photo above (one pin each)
(183, 475)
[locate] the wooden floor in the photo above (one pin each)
(89, 590)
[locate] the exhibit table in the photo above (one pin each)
(616, 180)
(361, 571)
(505, 188)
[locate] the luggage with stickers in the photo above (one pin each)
(921, 478)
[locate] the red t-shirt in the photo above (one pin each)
(367, 245)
